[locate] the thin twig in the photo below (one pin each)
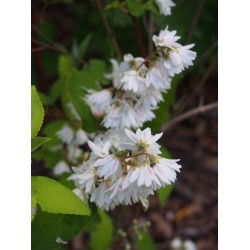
(135, 155)
(138, 36)
(147, 59)
(37, 56)
(37, 49)
(109, 30)
(151, 30)
(188, 114)
(136, 28)
(195, 21)
(46, 45)
(181, 105)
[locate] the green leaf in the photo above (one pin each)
(164, 192)
(73, 92)
(112, 5)
(135, 7)
(50, 158)
(65, 65)
(145, 242)
(46, 228)
(37, 142)
(101, 238)
(151, 5)
(37, 112)
(84, 45)
(46, 100)
(53, 197)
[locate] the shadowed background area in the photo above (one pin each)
(188, 118)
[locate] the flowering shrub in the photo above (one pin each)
(101, 148)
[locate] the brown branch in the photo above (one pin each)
(195, 21)
(147, 59)
(188, 114)
(138, 36)
(135, 155)
(181, 105)
(136, 28)
(109, 30)
(37, 56)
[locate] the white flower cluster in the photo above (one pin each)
(138, 84)
(71, 139)
(126, 176)
(165, 6)
(125, 167)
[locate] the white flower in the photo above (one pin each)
(143, 111)
(132, 81)
(155, 78)
(121, 115)
(176, 244)
(66, 134)
(189, 245)
(60, 241)
(84, 177)
(60, 168)
(81, 137)
(145, 175)
(108, 166)
(165, 170)
(101, 196)
(143, 141)
(73, 111)
(166, 38)
(81, 194)
(98, 150)
(74, 152)
(99, 101)
(165, 6)
(150, 99)
(179, 59)
(116, 136)
(117, 73)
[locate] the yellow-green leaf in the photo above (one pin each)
(53, 197)
(37, 112)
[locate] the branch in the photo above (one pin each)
(109, 30)
(138, 36)
(188, 114)
(136, 28)
(195, 21)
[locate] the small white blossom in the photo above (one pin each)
(84, 177)
(66, 134)
(73, 111)
(81, 137)
(81, 194)
(121, 116)
(100, 151)
(143, 141)
(165, 6)
(132, 81)
(155, 78)
(108, 166)
(189, 245)
(166, 38)
(99, 101)
(60, 168)
(179, 59)
(73, 152)
(60, 241)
